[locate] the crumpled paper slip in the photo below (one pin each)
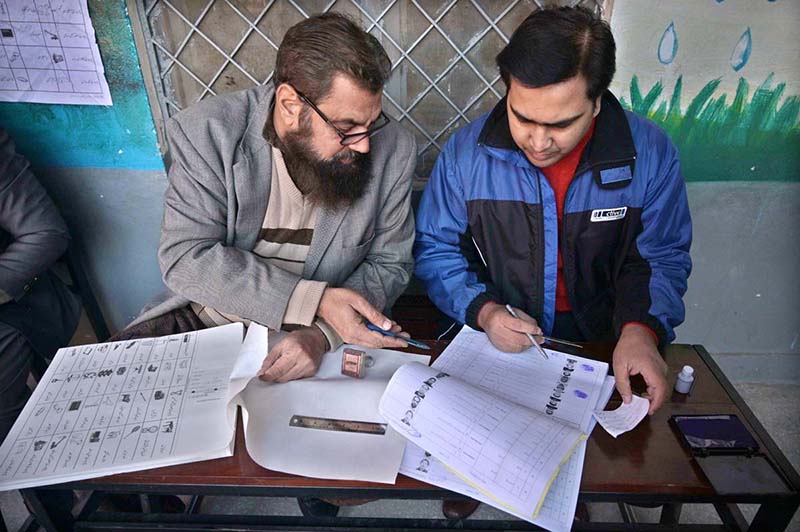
(624, 418)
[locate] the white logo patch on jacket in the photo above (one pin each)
(607, 215)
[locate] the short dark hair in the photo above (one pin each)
(314, 50)
(556, 44)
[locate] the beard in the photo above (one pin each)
(335, 182)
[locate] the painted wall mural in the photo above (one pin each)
(722, 77)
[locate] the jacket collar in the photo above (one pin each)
(610, 155)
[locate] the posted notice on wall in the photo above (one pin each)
(48, 54)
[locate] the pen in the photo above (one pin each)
(557, 341)
(530, 336)
(414, 343)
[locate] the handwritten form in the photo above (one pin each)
(512, 452)
(124, 406)
(524, 380)
(49, 54)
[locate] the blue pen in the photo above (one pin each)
(414, 343)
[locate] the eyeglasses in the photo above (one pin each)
(347, 139)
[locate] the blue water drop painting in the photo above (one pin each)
(668, 46)
(741, 52)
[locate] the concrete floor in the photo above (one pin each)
(768, 384)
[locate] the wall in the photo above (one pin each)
(103, 168)
(722, 77)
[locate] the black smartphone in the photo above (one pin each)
(706, 435)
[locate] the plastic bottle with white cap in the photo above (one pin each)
(685, 380)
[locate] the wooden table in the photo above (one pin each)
(645, 466)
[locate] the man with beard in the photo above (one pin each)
(289, 205)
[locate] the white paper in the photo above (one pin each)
(124, 406)
(508, 451)
(527, 379)
(624, 418)
(274, 444)
(558, 510)
(471, 357)
(49, 54)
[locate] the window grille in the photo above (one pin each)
(442, 53)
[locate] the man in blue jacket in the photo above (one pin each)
(563, 205)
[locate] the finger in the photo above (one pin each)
(279, 368)
(273, 355)
(292, 374)
(373, 339)
(622, 381)
(656, 389)
(521, 314)
(513, 344)
(396, 328)
(363, 307)
(523, 326)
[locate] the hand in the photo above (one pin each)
(296, 356)
(506, 332)
(345, 310)
(637, 354)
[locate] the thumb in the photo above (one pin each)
(363, 307)
(623, 382)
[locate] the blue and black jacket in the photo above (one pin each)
(487, 228)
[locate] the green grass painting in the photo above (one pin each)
(751, 138)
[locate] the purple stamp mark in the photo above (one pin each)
(581, 394)
(587, 367)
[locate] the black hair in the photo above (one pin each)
(555, 44)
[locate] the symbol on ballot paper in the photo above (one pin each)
(38, 445)
(581, 394)
(169, 426)
(126, 398)
(74, 405)
(158, 395)
(57, 442)
(151, 368)
(121, 370)
(130, 345)
(6, 32)
(134, 430)
(95, 437)
(587, 367)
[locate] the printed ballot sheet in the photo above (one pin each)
(274, 444)
(49, 54)
(124, 406)
(529, 381)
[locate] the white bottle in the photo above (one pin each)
(685, 380)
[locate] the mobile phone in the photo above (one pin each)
(706, 435)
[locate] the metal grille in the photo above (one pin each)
(442, 52)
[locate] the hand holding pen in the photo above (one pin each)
(532, 340)
(507, 332)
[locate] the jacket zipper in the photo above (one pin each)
(540, 246)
